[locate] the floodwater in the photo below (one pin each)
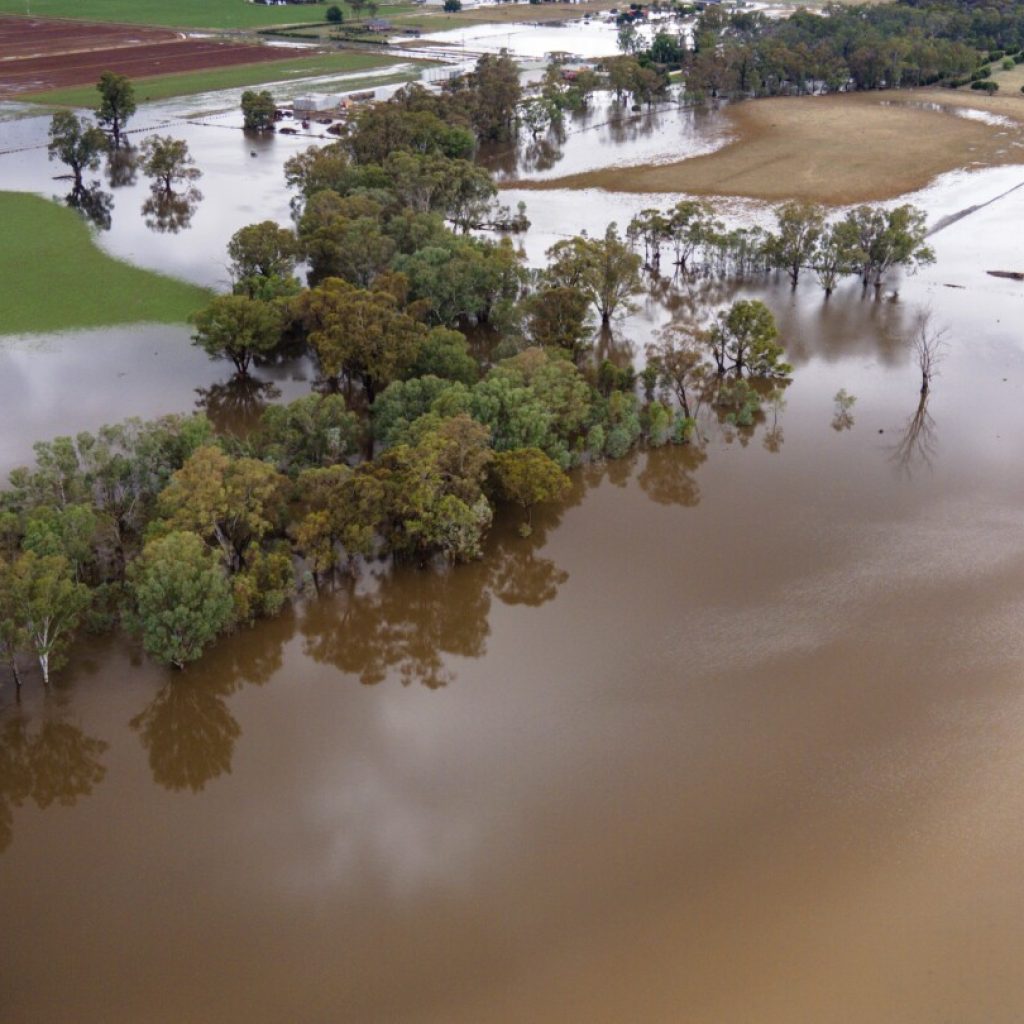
(590, 38)
(736, 736)
(610, 134)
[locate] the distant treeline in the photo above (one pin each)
(907, 43)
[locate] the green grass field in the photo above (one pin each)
(182, 13)
(54, 277)
(162, 87)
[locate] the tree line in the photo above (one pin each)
(868, 242)
(866, 46)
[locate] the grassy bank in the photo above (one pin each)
(850, 148)
(54, 277)
(162, 87)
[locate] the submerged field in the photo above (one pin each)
(833, 149)
(53, 276)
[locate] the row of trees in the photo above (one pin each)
(81, 145)
(868, 242)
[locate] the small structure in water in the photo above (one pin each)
(314, 103)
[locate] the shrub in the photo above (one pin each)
(334, 15)
(989, 87)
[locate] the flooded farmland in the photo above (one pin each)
(736, 735)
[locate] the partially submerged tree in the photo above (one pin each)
(884, 239)
(238, 328)
(117, 104)
(181, 600)
(929, 347)
(358, 333)
(559, 317)
(793, 247)
(76, 142)
(745, 339)
(260, 254)
(168, 162)
(230, 503)
(528, 477)
(678, 362)
(605, 269)
(46, 605)
(258, 109)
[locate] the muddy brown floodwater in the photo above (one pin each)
(736, 736)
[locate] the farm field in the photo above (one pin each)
(35, 37)
(162, 87)
(53, 277)
(839, 149)
(64, 58)
(181, 14)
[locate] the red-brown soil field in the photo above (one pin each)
(39, 54)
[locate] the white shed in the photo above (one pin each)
(314, 103)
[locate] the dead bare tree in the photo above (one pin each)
(929, 346)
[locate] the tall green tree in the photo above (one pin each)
(528, 477)
(117, 104)
(605, 269)
(13, 638)
(168, 162)
(559, 317)
(181, 600)
(77, 143)
(238, 328)
(794, 245)
(48, 605)
(359, 333)
(262, 254)
(230, 502)
(745, 339)
(258, 109)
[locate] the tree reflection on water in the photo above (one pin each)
(122, 167)
(668, 475)
(411, 620)
(46, 759)
(235, 406)
(188, 729)
(917, 443)
(92, 203)
(171, 213)
(189, 732)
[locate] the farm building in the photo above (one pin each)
(314, 103)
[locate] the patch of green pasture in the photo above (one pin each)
(182, 13)
(54, 277)
(162, 87)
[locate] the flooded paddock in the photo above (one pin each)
(737, 735)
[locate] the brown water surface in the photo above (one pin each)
(736, 736)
